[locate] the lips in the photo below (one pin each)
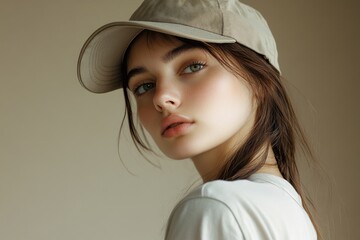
(172, 122)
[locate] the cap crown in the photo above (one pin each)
(229, 18)
(213, 21)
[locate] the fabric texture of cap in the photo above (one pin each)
(213, 21)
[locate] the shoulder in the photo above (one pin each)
(211, 204)
(215, 195)
(221, 190)
(197, 214)
(241, 193)
(253, 207)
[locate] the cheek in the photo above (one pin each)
(222, 92)
(224, 101)
(146, 116)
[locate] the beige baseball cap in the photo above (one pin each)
(213, 21)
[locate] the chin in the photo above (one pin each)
(184, 148)
(177, 156)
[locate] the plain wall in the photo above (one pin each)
(60, 174)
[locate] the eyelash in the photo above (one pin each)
(144, 83)
(202, 64)
(141, 84)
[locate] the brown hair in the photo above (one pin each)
(276, 124)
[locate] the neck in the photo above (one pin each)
(270, 165)
(210, 163)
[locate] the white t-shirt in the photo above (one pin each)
(262, 207)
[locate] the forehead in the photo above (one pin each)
(154, 37)
(150, 39)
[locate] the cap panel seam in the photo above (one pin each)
(222, 17)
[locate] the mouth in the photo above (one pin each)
(176, 129)
(174, 125)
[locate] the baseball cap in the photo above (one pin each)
(212, 21)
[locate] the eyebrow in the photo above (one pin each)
(165, 59)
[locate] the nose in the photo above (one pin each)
(166, 97)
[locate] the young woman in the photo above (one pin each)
(207, 86)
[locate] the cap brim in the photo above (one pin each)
(101, 56)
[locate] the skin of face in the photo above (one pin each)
(218, 106)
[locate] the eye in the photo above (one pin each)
(194, 67)
(143, 88)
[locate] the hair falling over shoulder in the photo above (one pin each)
(276, 124)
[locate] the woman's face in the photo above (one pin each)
(187, 101)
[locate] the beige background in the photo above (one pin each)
(60, 176)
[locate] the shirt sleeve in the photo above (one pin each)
(203, 219)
